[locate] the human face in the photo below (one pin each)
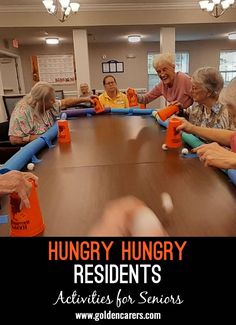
(166, 73)
(84, 88)
(199, 93)
(110, 85)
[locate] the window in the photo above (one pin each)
(181, 62)
(228, 65)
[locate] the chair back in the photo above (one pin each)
(59, 94)
(7, 150)
(10, 103)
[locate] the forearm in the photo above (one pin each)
(221, 136)
(72, 101)
(23, 140)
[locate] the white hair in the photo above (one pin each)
(40, 93)
(210, 79)
(168, 58)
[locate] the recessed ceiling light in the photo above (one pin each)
(52, 40)
(232, 36)
(134, 38)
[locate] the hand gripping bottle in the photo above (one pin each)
(98, 106)
(26, 222)
(132, 97)
(166, 112)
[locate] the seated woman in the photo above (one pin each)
(112, 97)
(36, 112)
(213, 154)
(206, 110)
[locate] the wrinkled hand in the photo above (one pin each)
(120, 216)
(217, 156)
(185, 125)
(15, 181)
(90, 99)
(177, 103)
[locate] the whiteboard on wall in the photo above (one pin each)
(55, 69)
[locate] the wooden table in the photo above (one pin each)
(116, 155)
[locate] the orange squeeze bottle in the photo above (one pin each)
(63, 131)
(26, 222)
(166, 112)
(132, 97)
(98, 106)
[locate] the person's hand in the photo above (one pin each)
(128, 216)
(177, 103)
(90, 99)
(213, 154)
(15, 181)
(185, 125)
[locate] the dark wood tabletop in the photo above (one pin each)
(111, 156)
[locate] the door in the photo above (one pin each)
(9, 76)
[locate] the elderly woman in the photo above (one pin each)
(174, 86)
(213, 154)
(84, 90)
(206, 110)
(36, 112)
(112, 97)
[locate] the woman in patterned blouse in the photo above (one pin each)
(206, 110)
(36, 112)
(214, 154)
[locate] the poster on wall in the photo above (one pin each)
(55, 69)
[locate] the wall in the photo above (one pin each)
(27, 51)
(135, 69)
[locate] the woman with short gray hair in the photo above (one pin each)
(175, 87)
(207, 111)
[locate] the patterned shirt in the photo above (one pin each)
(218, 118)
(26, 120)
(120, 101)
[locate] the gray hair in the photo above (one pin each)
(168, 58)
(228, 94)
(41, 92)
(210, 79)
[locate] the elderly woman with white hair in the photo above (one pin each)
(175, 87)
(36, 112)
(207, 111)
(214, 154)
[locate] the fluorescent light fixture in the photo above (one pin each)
(232, 36)
(52, 40)
(134, 38)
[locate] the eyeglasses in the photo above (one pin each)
(110, 83)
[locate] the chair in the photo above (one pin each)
(59, 94)
(7, 150)
(10, 103)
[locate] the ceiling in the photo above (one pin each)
(149, 33)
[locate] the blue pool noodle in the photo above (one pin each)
(25, 154)
(195, 142)
(136, 111)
